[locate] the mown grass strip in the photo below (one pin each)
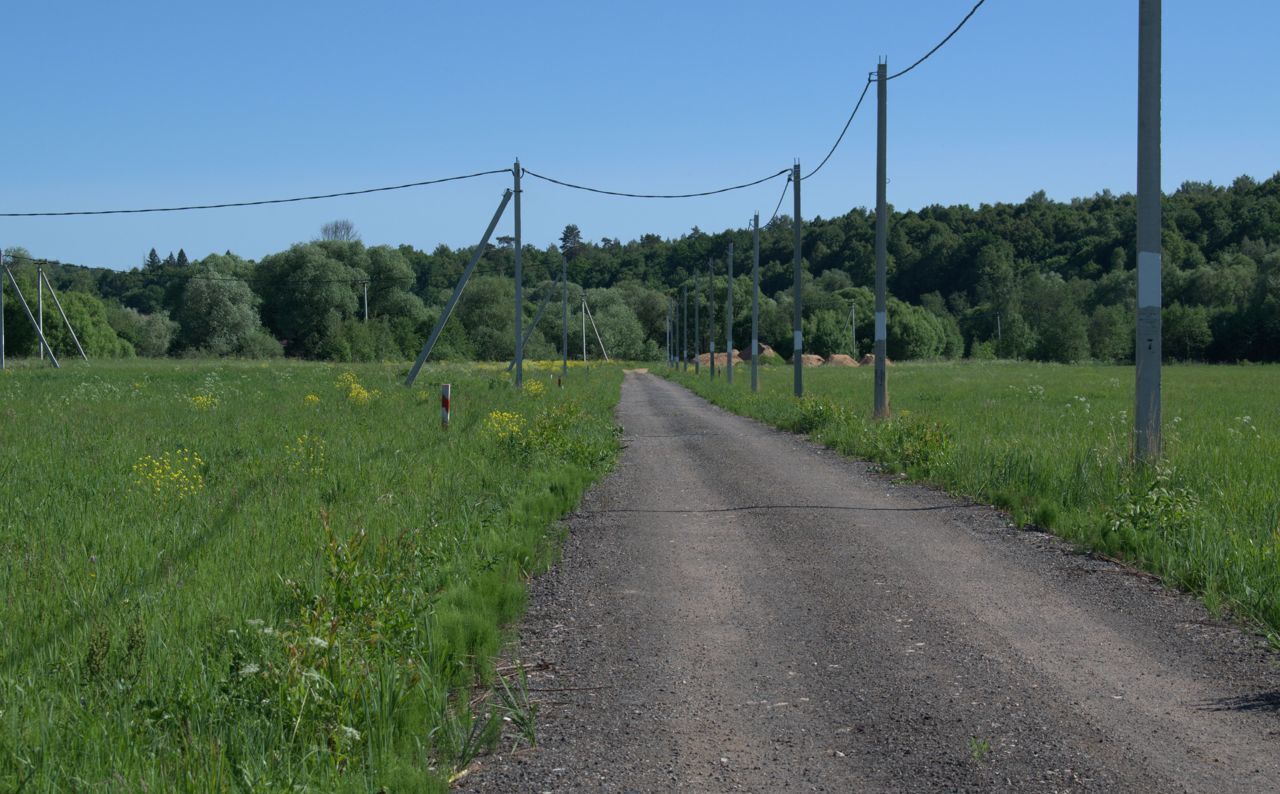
(1051, 445)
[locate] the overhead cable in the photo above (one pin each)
(255, 203)
(656, 195)
(780, 198)
(938, 46)
(840, 138)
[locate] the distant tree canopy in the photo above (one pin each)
(1040, 279)
(341, 230)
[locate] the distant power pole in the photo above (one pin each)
(797, 332)
(697, 327)
(515, 170)
(684, 330)
(564, 316)
(853, 330)
(366, 302)
(755, 302)
(667, 340)
(40, 305)
(882, 244)
(711, 317)
(1147, 351)
(728, 322)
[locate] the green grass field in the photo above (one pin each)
(1051, 444)
(284, 576)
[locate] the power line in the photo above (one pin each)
(938, 46)
(656, 195)
(832, 151)
(783, 196)
(255, 203)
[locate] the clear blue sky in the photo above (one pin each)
(143, 104)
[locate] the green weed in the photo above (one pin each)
(306, 604)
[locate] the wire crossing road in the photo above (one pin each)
(738, 609)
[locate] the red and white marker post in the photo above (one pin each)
(445, 395)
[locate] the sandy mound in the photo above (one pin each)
(810, 360)
(765, 352)
(840, 360)
(869, 360)
(704, 359)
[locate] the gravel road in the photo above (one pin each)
(738, 609)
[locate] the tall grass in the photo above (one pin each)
(1051, 444)
(219, 575)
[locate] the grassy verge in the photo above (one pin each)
(220, 575)
(1051, 444)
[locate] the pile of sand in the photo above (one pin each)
(869, 360)
(704, 359)
(810, 360)
(765, 352)
(840, 360)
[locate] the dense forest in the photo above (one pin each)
(1040, 280)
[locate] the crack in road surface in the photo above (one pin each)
(738, 609)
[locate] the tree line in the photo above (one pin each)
(1041, 279)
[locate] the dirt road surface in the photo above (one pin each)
(738, 609)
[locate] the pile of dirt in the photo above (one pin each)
(765, 353)
(810, 360)
(870, 359)
(840, 360)
(704, 359)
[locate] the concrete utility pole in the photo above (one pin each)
(755, 302)
(711, 317)
(882, 243)
(58, 305)
(564, 319)
(697, 327)
(684, 331)
(728, 322)
(515, 171)
(40, 306)
(457, 290)
(797, 347)
(853, 330)
(1148, 348)
(366, 302)
(584, 327)
(1, 314)
(667, 333)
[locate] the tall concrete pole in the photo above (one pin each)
(711, 317)
(1148, 343)
(667, 340)
(366, 302)
(684, 330)
(697, 327)
(728, 321)
(853, 331)
(882, 243)
(564, 316)
(40, 305)
(797, 347)
(1, 314)
(515, 170)
(755, 303)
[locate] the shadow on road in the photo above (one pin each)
(1259, 701)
